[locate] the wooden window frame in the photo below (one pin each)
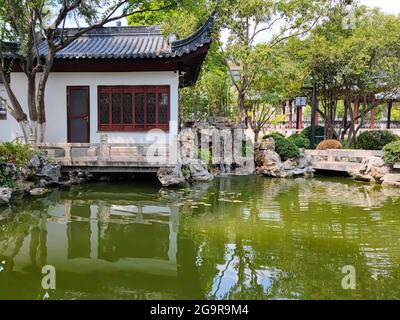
(133, 90)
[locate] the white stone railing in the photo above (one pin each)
(339, 160)
(108, 154)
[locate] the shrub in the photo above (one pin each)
(5, 178)
(286, 149)
(319, 133)
(375, 140)
(300, 140)
(15, 152)
(391, 152)
(329, 144)
(275, 136)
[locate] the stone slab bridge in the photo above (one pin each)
(339, 160)
(350, 162)
(108, 157)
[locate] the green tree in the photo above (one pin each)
(273, 22)
(347, 62)
(30, 21)
(211, 94)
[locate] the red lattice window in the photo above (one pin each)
(126, 108)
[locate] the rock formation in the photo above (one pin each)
(372, 169)
(5, 195)
(269, 163)
(38, 173)
(198, 171)
(78, 177)
(171, 176)
(42, 169)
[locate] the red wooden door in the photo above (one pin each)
(78, 105)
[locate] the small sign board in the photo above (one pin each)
(301, 102)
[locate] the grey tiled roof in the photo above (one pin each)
(131, 43)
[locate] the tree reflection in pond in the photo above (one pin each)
(236, 238)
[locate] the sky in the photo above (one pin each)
(389, 6)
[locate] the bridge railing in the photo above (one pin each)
(339, 160)
(108, 154)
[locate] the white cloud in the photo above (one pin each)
(389, 6)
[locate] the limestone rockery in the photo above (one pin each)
(32, 179)
(198, 143)
(269, 163)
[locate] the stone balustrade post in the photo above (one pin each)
(67, 155)
(104, 154)
(32, 140)
(141, 153)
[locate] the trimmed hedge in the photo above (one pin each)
(300, 140)
(391, 152)
(285, 148)
(375, 140)
(329, 144)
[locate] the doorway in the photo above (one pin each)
(78, 105)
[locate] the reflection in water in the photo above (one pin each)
(237, 238)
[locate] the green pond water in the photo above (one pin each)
(236, 238)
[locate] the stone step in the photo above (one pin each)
(392, 179)
(335, 166)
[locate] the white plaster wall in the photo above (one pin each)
(56, 104)
(9, 129)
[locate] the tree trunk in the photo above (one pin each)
(256, 134)
(40, 97)
(389, 119)
(32, 98)
(241, 110)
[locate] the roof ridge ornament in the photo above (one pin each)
(198, 39)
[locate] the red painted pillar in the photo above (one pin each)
(290, 114)
(299, 120)
(356, 108)
(372, 119)
(373, 112)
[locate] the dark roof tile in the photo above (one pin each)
(131, 43)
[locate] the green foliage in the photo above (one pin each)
(391, 152)
(284, 147)
(319, 133)
(274, 135)
(346, 62)
(5, 179)
(375, 140)
(205, 156)
(300, 140)
(15, 152)
(396, 113)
